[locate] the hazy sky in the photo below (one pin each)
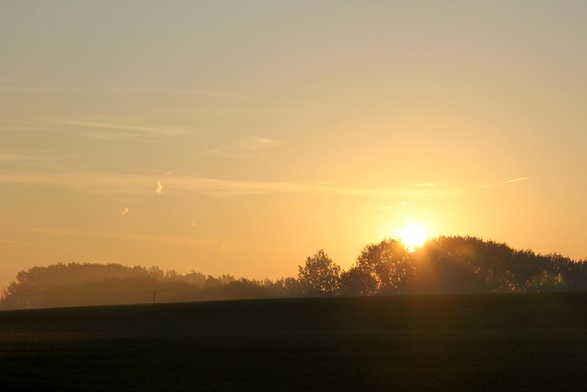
(242, 136)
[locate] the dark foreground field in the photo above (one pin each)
(468, 343)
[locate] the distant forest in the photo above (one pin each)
(443, 265)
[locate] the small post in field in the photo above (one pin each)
(154, 292)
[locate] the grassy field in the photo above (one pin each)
(482, 343)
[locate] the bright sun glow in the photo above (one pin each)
(413, 236)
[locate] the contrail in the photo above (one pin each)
(516, 180)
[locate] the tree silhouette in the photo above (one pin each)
(320, 276)
(358, 281)
(389, 265)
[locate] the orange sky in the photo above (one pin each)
(241, 137)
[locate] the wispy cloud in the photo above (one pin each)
(32, 156)
(516, 180)
(61, 231)
(243, 148)
(30, 87)
(110, 183)
(20, 126)
(110, 131)
(220, 94)
(14, 156)
(147, 130)
(33, 244)
(25, 89)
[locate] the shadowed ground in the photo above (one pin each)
(500, 342)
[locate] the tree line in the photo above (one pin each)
(443, 265)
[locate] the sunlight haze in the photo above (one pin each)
(240, 137)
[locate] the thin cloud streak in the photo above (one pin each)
(122, 236)
(34, 244)
(109, 131)
(108, 183)
(32, 156)
(485, 186)
(244, 148)
(21, 128)
(15, 157)
(156, 91)
(516, 180)
(148, 130)
(218, 94)
(27, 89)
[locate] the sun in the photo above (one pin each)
(413, 235)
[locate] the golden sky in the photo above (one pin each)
(241, 137)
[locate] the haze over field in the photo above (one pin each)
(241, 137)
